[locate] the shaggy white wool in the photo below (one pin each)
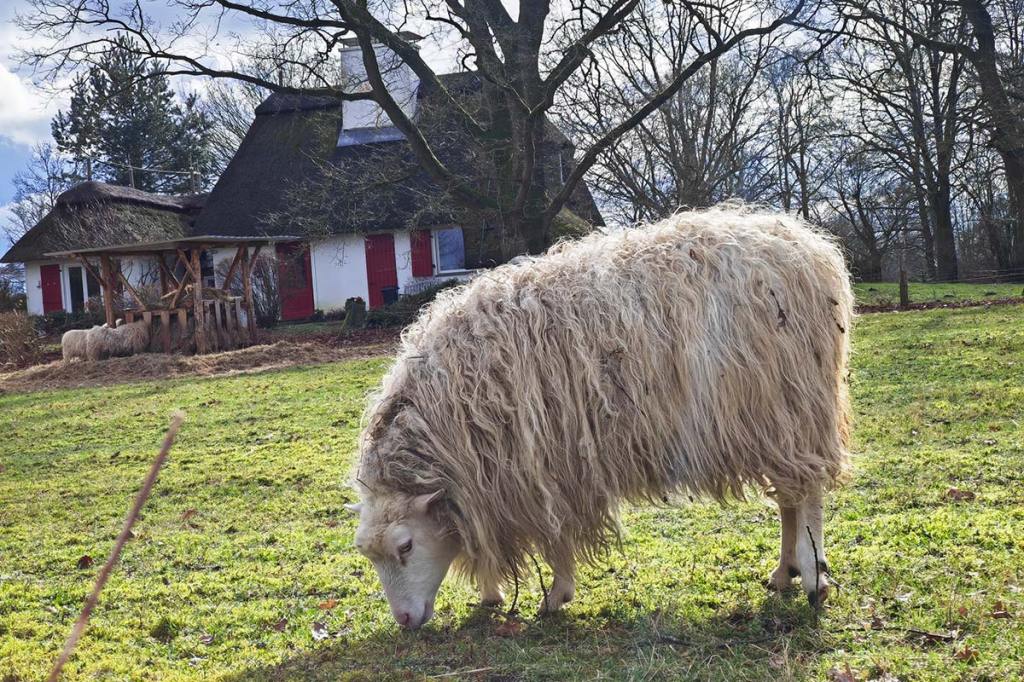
(701, 355)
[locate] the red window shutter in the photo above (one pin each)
(422, 258)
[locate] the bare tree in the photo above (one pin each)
(909, 106)
(703, 145)
(36, 189)
(522, 65)
(990, 40)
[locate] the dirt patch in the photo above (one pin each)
(929, 305)
(150, 366)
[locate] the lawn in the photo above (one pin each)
(242, 568)
(888, 293)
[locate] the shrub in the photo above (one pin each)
(19, 340)
(60, 321)
(404, 311)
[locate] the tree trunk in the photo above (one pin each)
(947, 268)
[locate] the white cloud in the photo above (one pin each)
(25, 111)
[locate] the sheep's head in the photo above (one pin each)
(411, 547)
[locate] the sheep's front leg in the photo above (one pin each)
(782, 577)
(490, 591)
(810, 550)
(563, 587)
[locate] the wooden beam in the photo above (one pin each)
(250, 312)
(165, 329)
(131, 290)
(88, 268)
(107, 285)
(185, 261)
(234, 264)
(166, 275)
(197, 302)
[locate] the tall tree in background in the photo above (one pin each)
(36, 189)
(123, 113)
(522, 68)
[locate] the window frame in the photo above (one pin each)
(436, 248)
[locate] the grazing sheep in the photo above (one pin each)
(73, 344)
(127, 339)
(703, 355)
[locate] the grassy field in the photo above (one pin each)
(242, 566)
(888, 293)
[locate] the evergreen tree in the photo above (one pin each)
(124, 112)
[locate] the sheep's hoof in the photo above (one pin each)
(817, 597)
(558, 596)
(781, 578)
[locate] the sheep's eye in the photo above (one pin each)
(406, 547)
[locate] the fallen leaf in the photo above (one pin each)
(962, 612)
(966, 654)
(85, 561)
(877, 623)
(844, 675)
(328, 604)
(331, 523)
(999, 611)
(319, 631)
(958, 495)
(281, 625)
(206, 639)
(188, 514)
(510, 628)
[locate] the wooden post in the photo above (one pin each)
(250, 313)
(904, 290)
(165, 329)
(197, 302)
(107, 285)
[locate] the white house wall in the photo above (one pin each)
(34, 288)
(339, 271)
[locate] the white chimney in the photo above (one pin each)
(400, 80)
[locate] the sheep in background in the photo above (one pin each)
(74, 344)
(126, 339)
(702, 355)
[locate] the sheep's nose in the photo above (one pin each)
(403, 619)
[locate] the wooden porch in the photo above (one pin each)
(188, 314)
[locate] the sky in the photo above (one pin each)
(25, 110)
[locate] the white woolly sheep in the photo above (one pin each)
(703, 355)
(73, 344)
(126, 339)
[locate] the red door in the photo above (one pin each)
(381, 272)
(422, 258)
(52, 300)
(295, 280)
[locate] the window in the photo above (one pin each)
(451, 251)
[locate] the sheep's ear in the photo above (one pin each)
(421, 503)
(354, 508)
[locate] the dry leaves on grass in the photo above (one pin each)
(327, 604)
(85, 561)
(510, 628)
(319, 631)
(999, 611)
(958, 495)
(967, 654)
(280, 625)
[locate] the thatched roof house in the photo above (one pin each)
(332, 184)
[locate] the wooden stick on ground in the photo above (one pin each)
(101, 579)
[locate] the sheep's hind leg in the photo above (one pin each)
(782, 577)
(810, 550)
(562, 588)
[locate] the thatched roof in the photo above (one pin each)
(291, 176)
(95, 214)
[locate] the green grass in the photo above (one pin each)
(888, 293)
(246, 536)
